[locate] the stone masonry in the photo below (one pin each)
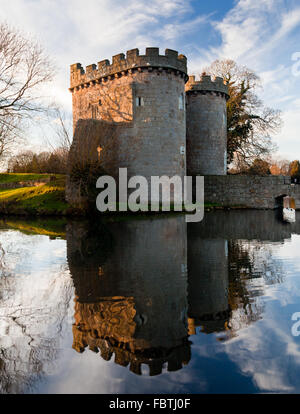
(249, 191)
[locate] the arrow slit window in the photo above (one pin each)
(94, 111)
(181, 101)
(139, 101)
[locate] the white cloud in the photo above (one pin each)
(95, 29)
(259, 34)
(175, 30)
(288, 139)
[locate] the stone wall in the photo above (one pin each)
(89, 135)
(249, 191)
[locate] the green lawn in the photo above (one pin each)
(46, 199)
(15, 178)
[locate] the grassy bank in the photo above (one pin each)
(45, 199)
(19, 178)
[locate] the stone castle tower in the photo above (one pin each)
(143, 113)
(206, 126)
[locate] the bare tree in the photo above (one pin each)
(23, 69)
(279, 166)
(62, 128)
(8, 135)
(18, 163)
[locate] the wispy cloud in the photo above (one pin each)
(263, 36)
(171, 31)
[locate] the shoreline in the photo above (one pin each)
(43, 195)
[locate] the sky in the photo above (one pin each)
(264, 35)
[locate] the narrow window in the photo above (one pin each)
(139, 101)
(94, 111)
(181, 101)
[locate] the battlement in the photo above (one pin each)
(206, 84)
(122, 65)
(126, 354)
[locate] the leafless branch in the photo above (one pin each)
(23, 70)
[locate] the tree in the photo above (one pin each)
(279, 166)
(259, 167)
(249, 123)
(23, 69)
(294, 169)
(62, 127)
(44, 162)
(21, 162)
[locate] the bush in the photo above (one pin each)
(84, 176)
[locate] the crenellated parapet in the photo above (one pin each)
(122, 65)
(207, 85)
(126, 355)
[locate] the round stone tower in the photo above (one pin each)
(206, 126)
(143, 98)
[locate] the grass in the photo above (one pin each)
(16, 178)
(47, 199)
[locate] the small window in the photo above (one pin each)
(181, 101)
(139, 101)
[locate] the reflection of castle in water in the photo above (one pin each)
(226, 251)
(133, 297)
(133, 302)
(208, 284)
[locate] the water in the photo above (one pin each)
(150, 305)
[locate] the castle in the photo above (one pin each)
(149, 116)
(144, 113)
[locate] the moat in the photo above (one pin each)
(151, 305)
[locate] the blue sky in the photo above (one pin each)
(262, 34)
